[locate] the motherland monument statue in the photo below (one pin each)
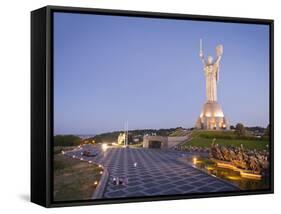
(212, 116)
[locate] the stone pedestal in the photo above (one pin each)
(212, 117)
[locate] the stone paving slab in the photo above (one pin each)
(158, 172)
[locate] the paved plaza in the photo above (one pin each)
(153, 172)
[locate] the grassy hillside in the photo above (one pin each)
(226, 138)
(179, 132)
(224, 135)
(74, 179)
(66, 140)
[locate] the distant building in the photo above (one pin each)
(155, 142)
(162, 142)
(125, 138)
(121, 138)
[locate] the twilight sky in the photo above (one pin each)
(110, 69)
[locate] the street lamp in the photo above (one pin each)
(104, 147)
(194, 160)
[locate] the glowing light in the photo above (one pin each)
(250, 175)
(73, 156)
(100, 166)
(242, 173)
(96, 183)
(104, 147)
(62, 152)
(210, 168)
(208, 114)
(81, 159)
(101, 172)
(227, 166)
(135, 164)
(89, 161)
(194, 160)
(219, 114)
(233, 177)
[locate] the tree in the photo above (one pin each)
(267, 130)
(232, 127)
(240, 129)
(66, 140)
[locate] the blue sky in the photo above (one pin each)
(110, 69)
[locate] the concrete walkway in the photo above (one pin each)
(156, 172)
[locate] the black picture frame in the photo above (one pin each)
(42, 103)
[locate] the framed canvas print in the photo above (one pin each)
(140, 106)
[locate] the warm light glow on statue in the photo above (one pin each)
(211, 116)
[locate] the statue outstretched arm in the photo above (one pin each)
(219, 51)
(202, 58)
(217, 61)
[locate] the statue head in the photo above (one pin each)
(210, 60)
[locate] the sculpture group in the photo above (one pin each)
(251, 160)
